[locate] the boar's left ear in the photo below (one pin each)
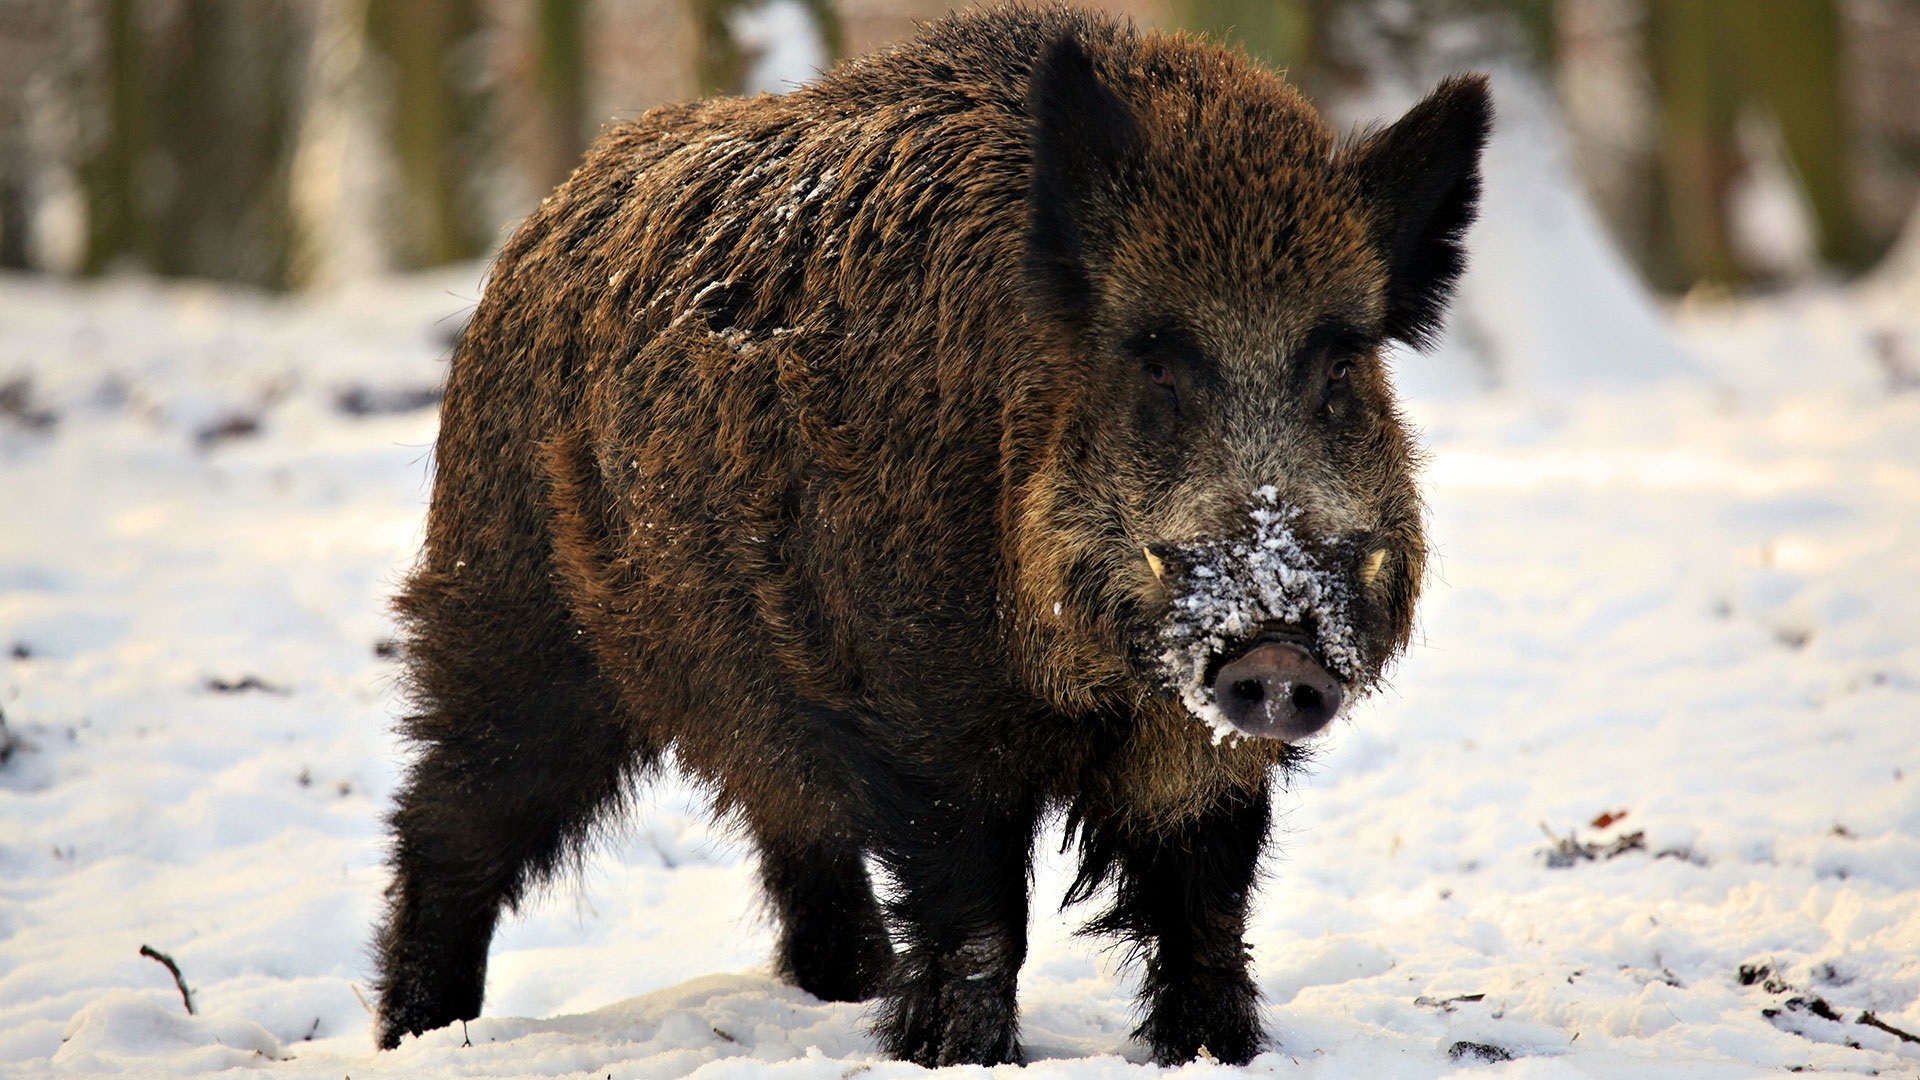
(1421, 181)
(1082, 132)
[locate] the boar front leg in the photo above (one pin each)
(960, 861)
(1181, 892)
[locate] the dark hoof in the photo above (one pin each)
(957, 1012)
(1219, 1017)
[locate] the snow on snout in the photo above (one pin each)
(1234, 587)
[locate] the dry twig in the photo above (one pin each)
(1873, 1021)
(186, 996)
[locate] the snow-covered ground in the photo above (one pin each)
(1675, 624)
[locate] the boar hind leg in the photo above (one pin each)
(1181, 893)
(519, 753)
(960, 863)
(833, 940)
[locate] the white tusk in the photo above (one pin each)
(1153, 564)
(1371, 569)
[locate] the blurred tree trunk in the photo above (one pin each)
(560, 82)
(225, 110)
(1328, 47)
(26, 49)
(111, 174)
(192, 173)
(719, 66)
(1713, 60)
(436, 110)
(1698, 157)
(1280, 34)
(1793, 57)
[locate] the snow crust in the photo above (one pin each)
(1689, 593)
(1233, 586)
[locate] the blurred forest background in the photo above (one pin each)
(1730, 145)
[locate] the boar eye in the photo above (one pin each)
(1162, 377)
(1169, 357)
(1327, 359)
(1337, 389)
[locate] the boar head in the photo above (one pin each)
(1231, 490)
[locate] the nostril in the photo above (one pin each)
(1276, 690)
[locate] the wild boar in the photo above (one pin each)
(996, 427)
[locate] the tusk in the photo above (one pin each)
(1371, 568)
(1153, 564)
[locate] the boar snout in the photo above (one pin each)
(1276, 690)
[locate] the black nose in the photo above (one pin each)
(1276, 690)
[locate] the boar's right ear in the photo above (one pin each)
(1082, 132)
(1421, 181)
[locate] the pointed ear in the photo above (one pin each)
(1421, 181)
(1082, 132)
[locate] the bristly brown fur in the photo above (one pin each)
(797, 435)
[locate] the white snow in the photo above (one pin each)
(1689, 592)
(1552, 304)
